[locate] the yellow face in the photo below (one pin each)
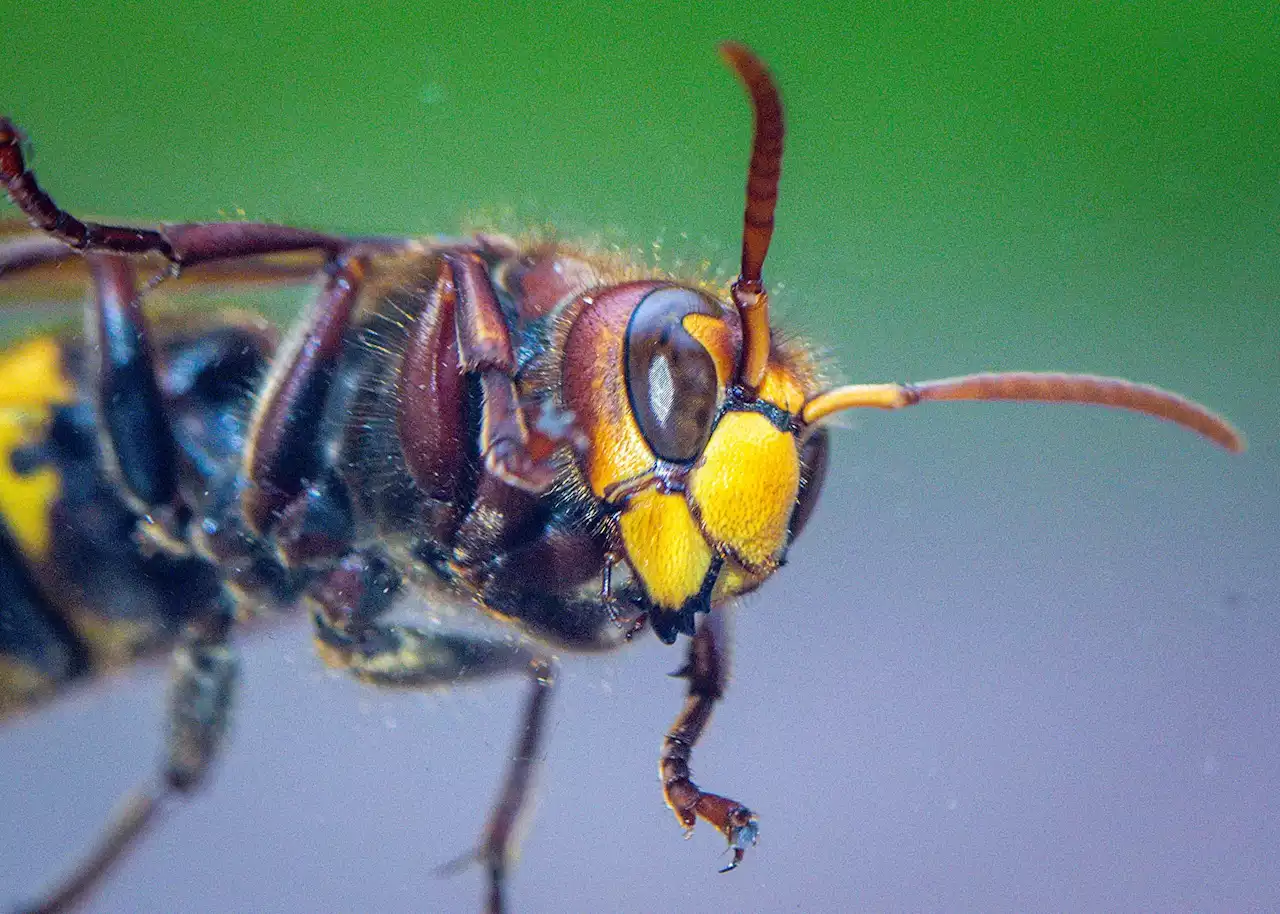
(705, 482)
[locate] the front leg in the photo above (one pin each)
(706, 670)
(514, 453)
(519, 443)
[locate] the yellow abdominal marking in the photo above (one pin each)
(665, 547)
(31, 375)
(20, 685)
(745, 488)
(113, 643)
(31, 383)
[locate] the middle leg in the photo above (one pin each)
(350, 636)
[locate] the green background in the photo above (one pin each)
(964, 184)
(1090, 187)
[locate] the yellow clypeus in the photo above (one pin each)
(744, 488)
(665, 547)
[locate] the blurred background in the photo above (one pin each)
(1024, 659)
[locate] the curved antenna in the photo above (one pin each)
(1031, 386)
(762, 198)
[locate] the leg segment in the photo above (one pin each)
(135, 814)
(349, 636)
(432, 393)
(54, 264)
(136, 437)
(47, 216)
(204, 672)
(182, 245)
(348, 603)
(484, 344)
(318, 526)
(284, 451)
(519, 461)
(706, 671)
(29, 251)
(498, 842)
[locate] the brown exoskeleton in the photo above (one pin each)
(559, 440)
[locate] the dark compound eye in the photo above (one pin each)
(813, 470)
(671, 378)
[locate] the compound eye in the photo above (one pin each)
(813, 471)
(671, 378)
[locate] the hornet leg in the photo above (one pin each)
(706, 672)
(134, 432)
(284, 451)
(507, 444)
(498, 841)
(518, 446)
(182, 245)
(204, 672)
(349, 636)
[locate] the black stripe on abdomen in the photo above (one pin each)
(39, 651)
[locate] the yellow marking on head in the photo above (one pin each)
(781, 389)
(745, 488)
(720, 341)
(616, 448)
(31, 382)
(665, 547)
(617, 452)
(734, 580)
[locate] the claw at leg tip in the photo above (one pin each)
(740, 838)
(733, 864)
(458, 864)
